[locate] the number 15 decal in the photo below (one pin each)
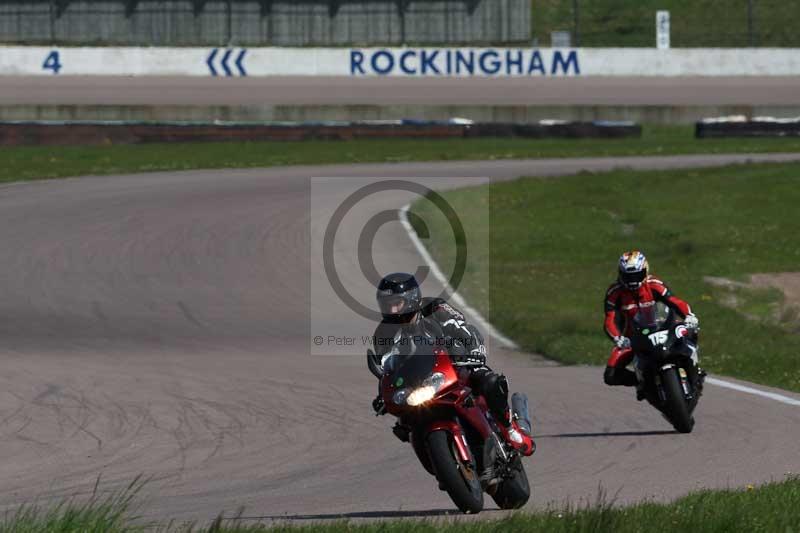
(52, 62)
(659, 337)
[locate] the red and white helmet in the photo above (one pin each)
(633, 269)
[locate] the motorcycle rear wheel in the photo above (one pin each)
(513, 492)
(459, 479)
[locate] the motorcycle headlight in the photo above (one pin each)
(400, 396)
(427, 390)
(421, 395)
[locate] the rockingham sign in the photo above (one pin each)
(399, 62)
(464, 62)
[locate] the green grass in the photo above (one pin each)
(694, 23)
(767, 509)
(554, 245)
(95, 514)
(26, 163)
(774, 507)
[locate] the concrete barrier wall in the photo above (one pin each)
(408, 62)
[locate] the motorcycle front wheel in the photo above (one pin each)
(675, 406)
(460, 479)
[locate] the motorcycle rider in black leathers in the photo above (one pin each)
(402, 306)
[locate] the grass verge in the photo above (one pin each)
(113, 513)
(774, 507)
(554, 245)
(694, 23)
(41, 162)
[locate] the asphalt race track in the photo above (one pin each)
(626, 91)
(158, 324)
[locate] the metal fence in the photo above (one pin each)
(264, 22)
(694, 23)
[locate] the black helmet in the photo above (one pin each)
(399, 296)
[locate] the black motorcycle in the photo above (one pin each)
(666, 364)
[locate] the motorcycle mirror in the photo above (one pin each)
(374, 364)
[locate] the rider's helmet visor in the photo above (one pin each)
(633, 279)
(394, 304)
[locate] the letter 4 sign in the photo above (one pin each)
(662, 30)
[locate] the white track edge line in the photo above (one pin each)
(454, 296)
(505, 341)
(756, 392)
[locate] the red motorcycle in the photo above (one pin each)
(448, 427)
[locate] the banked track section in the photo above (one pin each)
(158, 324)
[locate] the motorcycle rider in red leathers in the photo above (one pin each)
(636, 289)
(402, 306)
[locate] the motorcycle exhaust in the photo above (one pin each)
(519, 407)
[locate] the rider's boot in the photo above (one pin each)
(513, 434)
(620, 376)
(615, 376)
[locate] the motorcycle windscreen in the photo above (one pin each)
(654, 317)
(411, 370)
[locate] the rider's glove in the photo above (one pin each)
(478, 355)
(691, 322)
(470, 360)
(379, 406)
(622, 342)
